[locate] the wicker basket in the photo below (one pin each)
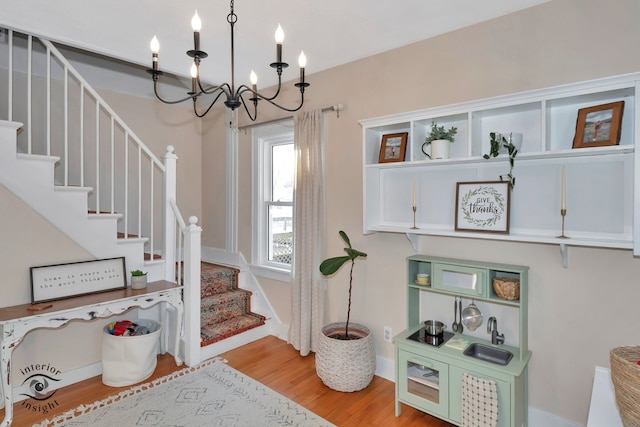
(625, 375)
(346, 365)
(507, 288)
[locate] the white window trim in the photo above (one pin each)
(263, 137)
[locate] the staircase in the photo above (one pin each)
(225, 310)
(82, 168)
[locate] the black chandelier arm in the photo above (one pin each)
(224, 87)
(258, 96)
(201, 115)
(253, 116)
(177, 101)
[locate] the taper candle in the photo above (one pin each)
(564, 190)
(414, 190)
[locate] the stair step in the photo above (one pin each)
(73, 188)
(38, 157)
(221, 307)
(213, 333)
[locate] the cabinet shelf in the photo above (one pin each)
(599, 185)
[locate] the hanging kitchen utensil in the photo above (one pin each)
(454, 326)
(472, 317)
(460, 327)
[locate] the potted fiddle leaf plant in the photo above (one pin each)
(138, 279)
(439, 138)
(345, 359)
(498, 141)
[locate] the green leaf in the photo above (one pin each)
(331, 265)
(345, 238)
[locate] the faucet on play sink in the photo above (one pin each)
(492, 328)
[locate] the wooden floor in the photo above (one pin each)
(280, 367)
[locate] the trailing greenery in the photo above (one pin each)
(511, 150)
(331, 265)
(138, 273)
(439, 132)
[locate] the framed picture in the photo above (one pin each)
(482, 206)
(393, 147)
(54, 282)
(599, 125)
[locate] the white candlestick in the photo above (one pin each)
(414, 191)
(564, 190)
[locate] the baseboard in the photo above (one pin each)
(541, 418)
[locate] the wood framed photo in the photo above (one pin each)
(482, 206)
(393, 147)
(599, 125)
(54, 282)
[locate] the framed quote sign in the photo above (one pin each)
(54, 282)
(482, 206)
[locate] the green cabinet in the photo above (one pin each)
(429, 378)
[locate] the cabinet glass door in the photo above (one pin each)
(424, 383)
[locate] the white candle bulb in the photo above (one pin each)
(253, 78)
(302, 60)
(279, 34)
(154, 45)
(196, 23)
(194, 71)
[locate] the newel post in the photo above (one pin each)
(191, 291)
(168, 216)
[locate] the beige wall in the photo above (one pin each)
(576, 314)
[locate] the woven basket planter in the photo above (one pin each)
(625, 375)
(346, 365)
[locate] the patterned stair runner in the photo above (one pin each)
(225, 310)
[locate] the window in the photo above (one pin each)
(273, 182)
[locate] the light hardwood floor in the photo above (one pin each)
(280, 367)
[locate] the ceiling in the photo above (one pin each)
(331, 32)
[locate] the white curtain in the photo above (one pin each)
(309, 286)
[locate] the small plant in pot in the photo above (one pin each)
(439, 139)
(498, 141)
(345, 359)
(138, 279)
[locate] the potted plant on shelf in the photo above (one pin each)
(138, 279)
(346, 359)
(439, 138)
(498, 141)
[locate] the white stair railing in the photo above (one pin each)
(64, 116)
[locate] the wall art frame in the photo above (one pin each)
(599, 125)
(393, 147)
(61, 281)
(483, 206)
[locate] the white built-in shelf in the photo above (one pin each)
(600, 181)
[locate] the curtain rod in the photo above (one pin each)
(337, 108)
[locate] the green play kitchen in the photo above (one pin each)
(475, 371)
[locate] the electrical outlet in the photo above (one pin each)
(387, 333)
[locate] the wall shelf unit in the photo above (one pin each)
(600, 181)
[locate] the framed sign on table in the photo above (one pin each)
(54, 282)
(482, 206)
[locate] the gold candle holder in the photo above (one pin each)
(414, 209)
(563, 213)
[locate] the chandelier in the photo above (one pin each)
(234, 97)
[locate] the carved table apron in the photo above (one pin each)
(17, 321)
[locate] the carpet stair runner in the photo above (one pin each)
(225, 310)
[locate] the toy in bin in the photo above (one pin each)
(127, 328)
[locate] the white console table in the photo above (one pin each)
(17, 321)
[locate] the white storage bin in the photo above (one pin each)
(128, 360)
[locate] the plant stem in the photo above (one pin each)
(346, 327)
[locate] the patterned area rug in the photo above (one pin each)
(212, 394)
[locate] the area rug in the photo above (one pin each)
(211, 394)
